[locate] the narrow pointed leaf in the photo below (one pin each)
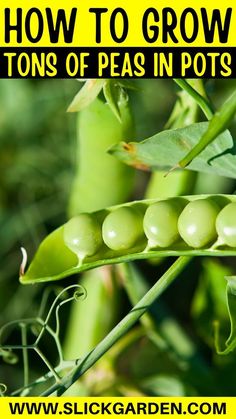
(111, 93)
(86, 95)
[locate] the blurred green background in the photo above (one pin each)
(37, 164)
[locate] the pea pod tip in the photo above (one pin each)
(24, 261)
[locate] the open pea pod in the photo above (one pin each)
(196, 225)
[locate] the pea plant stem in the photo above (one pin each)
(203, 102)
(123, 326)
(219, 122)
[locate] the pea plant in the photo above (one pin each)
(121, 232)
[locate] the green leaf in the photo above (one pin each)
(218, 124)
(111, 93)
(86, 95)
(219, 157)
(230, 344)
(116, 97)
(91, 89)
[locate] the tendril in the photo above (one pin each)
(37, 327)
(3, 389)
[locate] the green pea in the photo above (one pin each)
(82, 234)
(226, 225)
(196, 223)
(161, 223)
(122, 228)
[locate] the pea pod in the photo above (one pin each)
(93, 188)
(55, 260)
(97, 171)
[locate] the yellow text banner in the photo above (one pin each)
(117, 23)
(175, 407)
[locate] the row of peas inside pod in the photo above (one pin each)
(195, 222)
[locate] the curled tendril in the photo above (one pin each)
(63, 295)
(10, 357)
(45, 298)
(80, 296)
(3, 389)
(37, 326)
